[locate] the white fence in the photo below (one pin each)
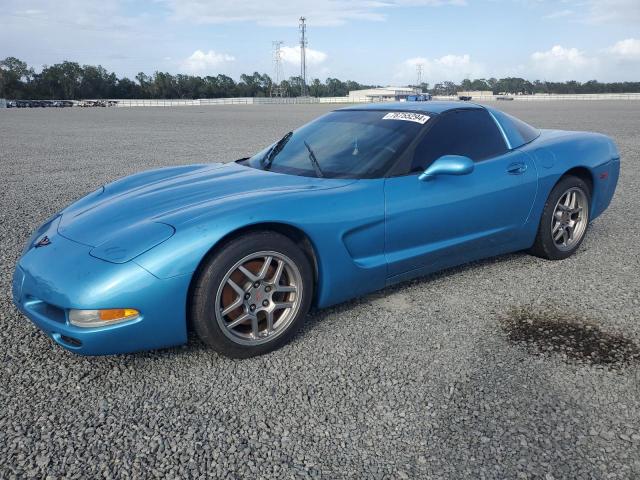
(238, 101)
(548, 97)
(308, 100)
(578, 96)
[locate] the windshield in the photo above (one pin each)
(342, 144)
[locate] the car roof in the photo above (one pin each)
(433, 107)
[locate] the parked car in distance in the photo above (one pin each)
(93, 103)
(40, 103)
(423, 97)
(359, 199)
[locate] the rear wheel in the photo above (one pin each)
(252, 295)
(564, 221)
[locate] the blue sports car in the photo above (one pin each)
(358, 199)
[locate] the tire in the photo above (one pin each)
(556, 218)
(265, 309)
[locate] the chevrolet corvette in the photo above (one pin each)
(354, 201)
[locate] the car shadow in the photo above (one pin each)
(317, 316)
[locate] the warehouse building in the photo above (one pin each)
(382, 94)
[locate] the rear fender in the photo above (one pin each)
(555, 153)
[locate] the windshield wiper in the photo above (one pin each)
(267, 160)
(314, 161)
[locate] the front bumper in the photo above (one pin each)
(48, 281)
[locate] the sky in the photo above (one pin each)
(369, 41)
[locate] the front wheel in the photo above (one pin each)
(564, 221)
(252, 295)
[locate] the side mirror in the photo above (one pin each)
(448, 165)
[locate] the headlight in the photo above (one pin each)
(100, 318)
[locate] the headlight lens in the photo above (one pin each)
(100, 318)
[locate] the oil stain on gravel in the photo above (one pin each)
(578, 341)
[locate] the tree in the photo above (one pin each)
(144, 81)
(226, 85)
(465, 85)
(287, 89)
(163, 85)
(69, 80)
(126, 88)
(61, 80)
(15, 75)
(423, 87)
(316, 89)
(450, 88)
(96, 82)
(337, 88)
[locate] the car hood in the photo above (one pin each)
(160, 196)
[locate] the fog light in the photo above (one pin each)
(98, 318)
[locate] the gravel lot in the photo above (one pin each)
(431, 379)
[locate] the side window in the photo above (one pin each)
(472, 133)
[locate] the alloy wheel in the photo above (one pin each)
(258, 298)
(570, 219)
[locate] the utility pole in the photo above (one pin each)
(303, 56)
(419, 69)
(276, 89)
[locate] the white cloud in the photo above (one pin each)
(448, 67)
(620, 11)
(105, 17)
(628, 49)
(560, 55)
(44, 32)
(590, 11)
(559, 14)
(287, 12)
(292, 55)
(618, 62)
(201, 62)
(562, 63)
(31, 11)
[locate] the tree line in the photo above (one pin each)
(520, 86)
(72, 81)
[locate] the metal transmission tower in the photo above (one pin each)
(303, 56)
(276, 88)
(419, 69)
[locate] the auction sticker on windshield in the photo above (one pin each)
(407, 116)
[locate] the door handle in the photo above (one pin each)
(517, 168)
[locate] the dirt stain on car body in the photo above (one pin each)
(576, 339)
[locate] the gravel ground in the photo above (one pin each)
(437, 378)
